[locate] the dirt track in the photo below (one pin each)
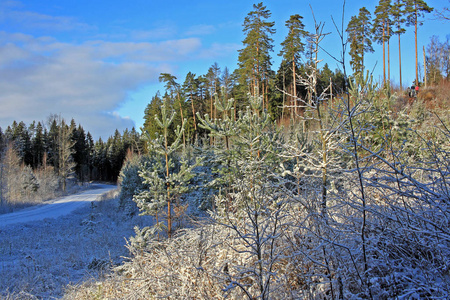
(56, 208)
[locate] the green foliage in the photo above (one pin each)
(359, 37)
(166, 176)
(254, 58)
(414, 10)
(246, 149)
(293, 46)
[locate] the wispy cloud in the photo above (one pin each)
(41, 76)
(218, 50)
(161, 32)
(201, 29)
(13, 12)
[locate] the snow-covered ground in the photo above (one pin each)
(69, 240)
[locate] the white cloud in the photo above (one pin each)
(161, 32)
(12, 11)
(87, 82)
(202, 29)
(219, 50)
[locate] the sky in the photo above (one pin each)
(98, 62)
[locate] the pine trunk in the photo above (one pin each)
(384, 57)
(400, 62)
(415, 36)
(389, 56)
(294, 86)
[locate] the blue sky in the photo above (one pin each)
(99, 61)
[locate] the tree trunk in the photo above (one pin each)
(389, 56)
(415, 36)
(294, 85)
(182, 117)
(400, 62)
(284, 96)
(424, 67)
(384, 56)
(193, 115)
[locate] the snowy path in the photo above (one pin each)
(56, 208)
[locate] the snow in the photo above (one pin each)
(56, 208)
(68, 241)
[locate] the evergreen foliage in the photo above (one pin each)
(61, 154)
(414, 11)
(359, 37)
(166, 177)
(254, 58)
(382, 30)
(293, 47)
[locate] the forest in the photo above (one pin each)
(300, 183)
(42, 161)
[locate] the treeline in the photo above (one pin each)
(284, 94)
(68, 149)
(197, 95)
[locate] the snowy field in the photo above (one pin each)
(39, 258)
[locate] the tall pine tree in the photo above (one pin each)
(415, 10)
(254, 58)
(293, 47)
(359, 37)
(382, 31)
(397, 13)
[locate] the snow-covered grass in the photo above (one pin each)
(38, 259)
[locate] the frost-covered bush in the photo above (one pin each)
(130, 183)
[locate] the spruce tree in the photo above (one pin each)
(359, 37)
(152, 109)
(227, 82)
(38, 146)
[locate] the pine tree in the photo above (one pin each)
(190, 89)
(254, 58)
(397, 13)
(52, 142)
(382, 31)
(415, 10)
(249, 203)
(174, 88)
(166, 177)
(359, 37)
(213, 82)
(293, 47)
